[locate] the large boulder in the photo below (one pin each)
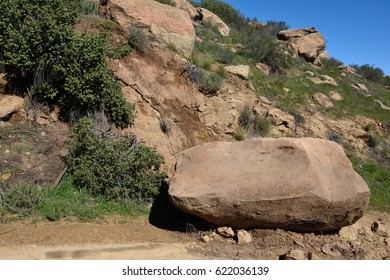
(301, 184)
(187, 7)
(307, 43)
(166, 25)
(241, 71)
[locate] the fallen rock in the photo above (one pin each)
(347, 69)
(323, 100)
(205, 239)
(166, 24)
(243, 237)
(306, 42)
(265, 100)
(241, 71)
(334, 95)
(379, 229)
(327, 250)
(214, 20)
(383, 106)
(226, 232)
(297, 255)
(10, 104)
(264, 68)
(323, 79)
(270, 183)
(362, 88)
(349, 233)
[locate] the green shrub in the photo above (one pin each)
(120, 169)
(208, 83)
(22, 198)
(40, 52)
(138, 39)
(227, 13)
(370, 72)
(253, 123)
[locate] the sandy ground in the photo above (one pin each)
(138, 239)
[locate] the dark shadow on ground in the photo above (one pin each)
(166, 216)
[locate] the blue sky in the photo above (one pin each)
(356, 32)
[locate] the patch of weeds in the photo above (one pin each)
(167, 2)
(172, 47)
(378, 179)
(334, 137)
(117, 52)
(253, 123)
(239, 135)
(22, 198)
(67, 200)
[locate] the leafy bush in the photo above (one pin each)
(88, 7)
(253, 123)
(227, 13)
(208, 83)
(120, 169)
(276, 26)
(22, 198)
(39, 50)
(369, 72)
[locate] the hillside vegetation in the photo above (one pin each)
(109, 171)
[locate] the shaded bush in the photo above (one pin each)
(253, 123)
(120, 169)
(165, 125)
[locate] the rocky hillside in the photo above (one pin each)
(193, 77)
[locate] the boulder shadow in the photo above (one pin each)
(166, 216)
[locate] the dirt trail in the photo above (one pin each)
(138, 239)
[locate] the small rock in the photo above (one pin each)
(265, 100)
(323, 100)
(328, 251)
(387, 241)
(379, 229)
(241, 71)
(251, 86)
(264, 68)
(349, 233)
(202, 108)
(313, 256)
(286, 90)
(226, 232)
(43, 133)
(5, 177)
(362, 88)
(299, 243)
(243, 237)
(10, 104)
(334, 95)
(205, 239)
(7, 152)
(297, 255)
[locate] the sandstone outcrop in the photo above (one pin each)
(187, 7)
(164, 24)
(362, 89)
(307, 43)
(214, 20)
(323, 79)
(302, 184)
(10, 104)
